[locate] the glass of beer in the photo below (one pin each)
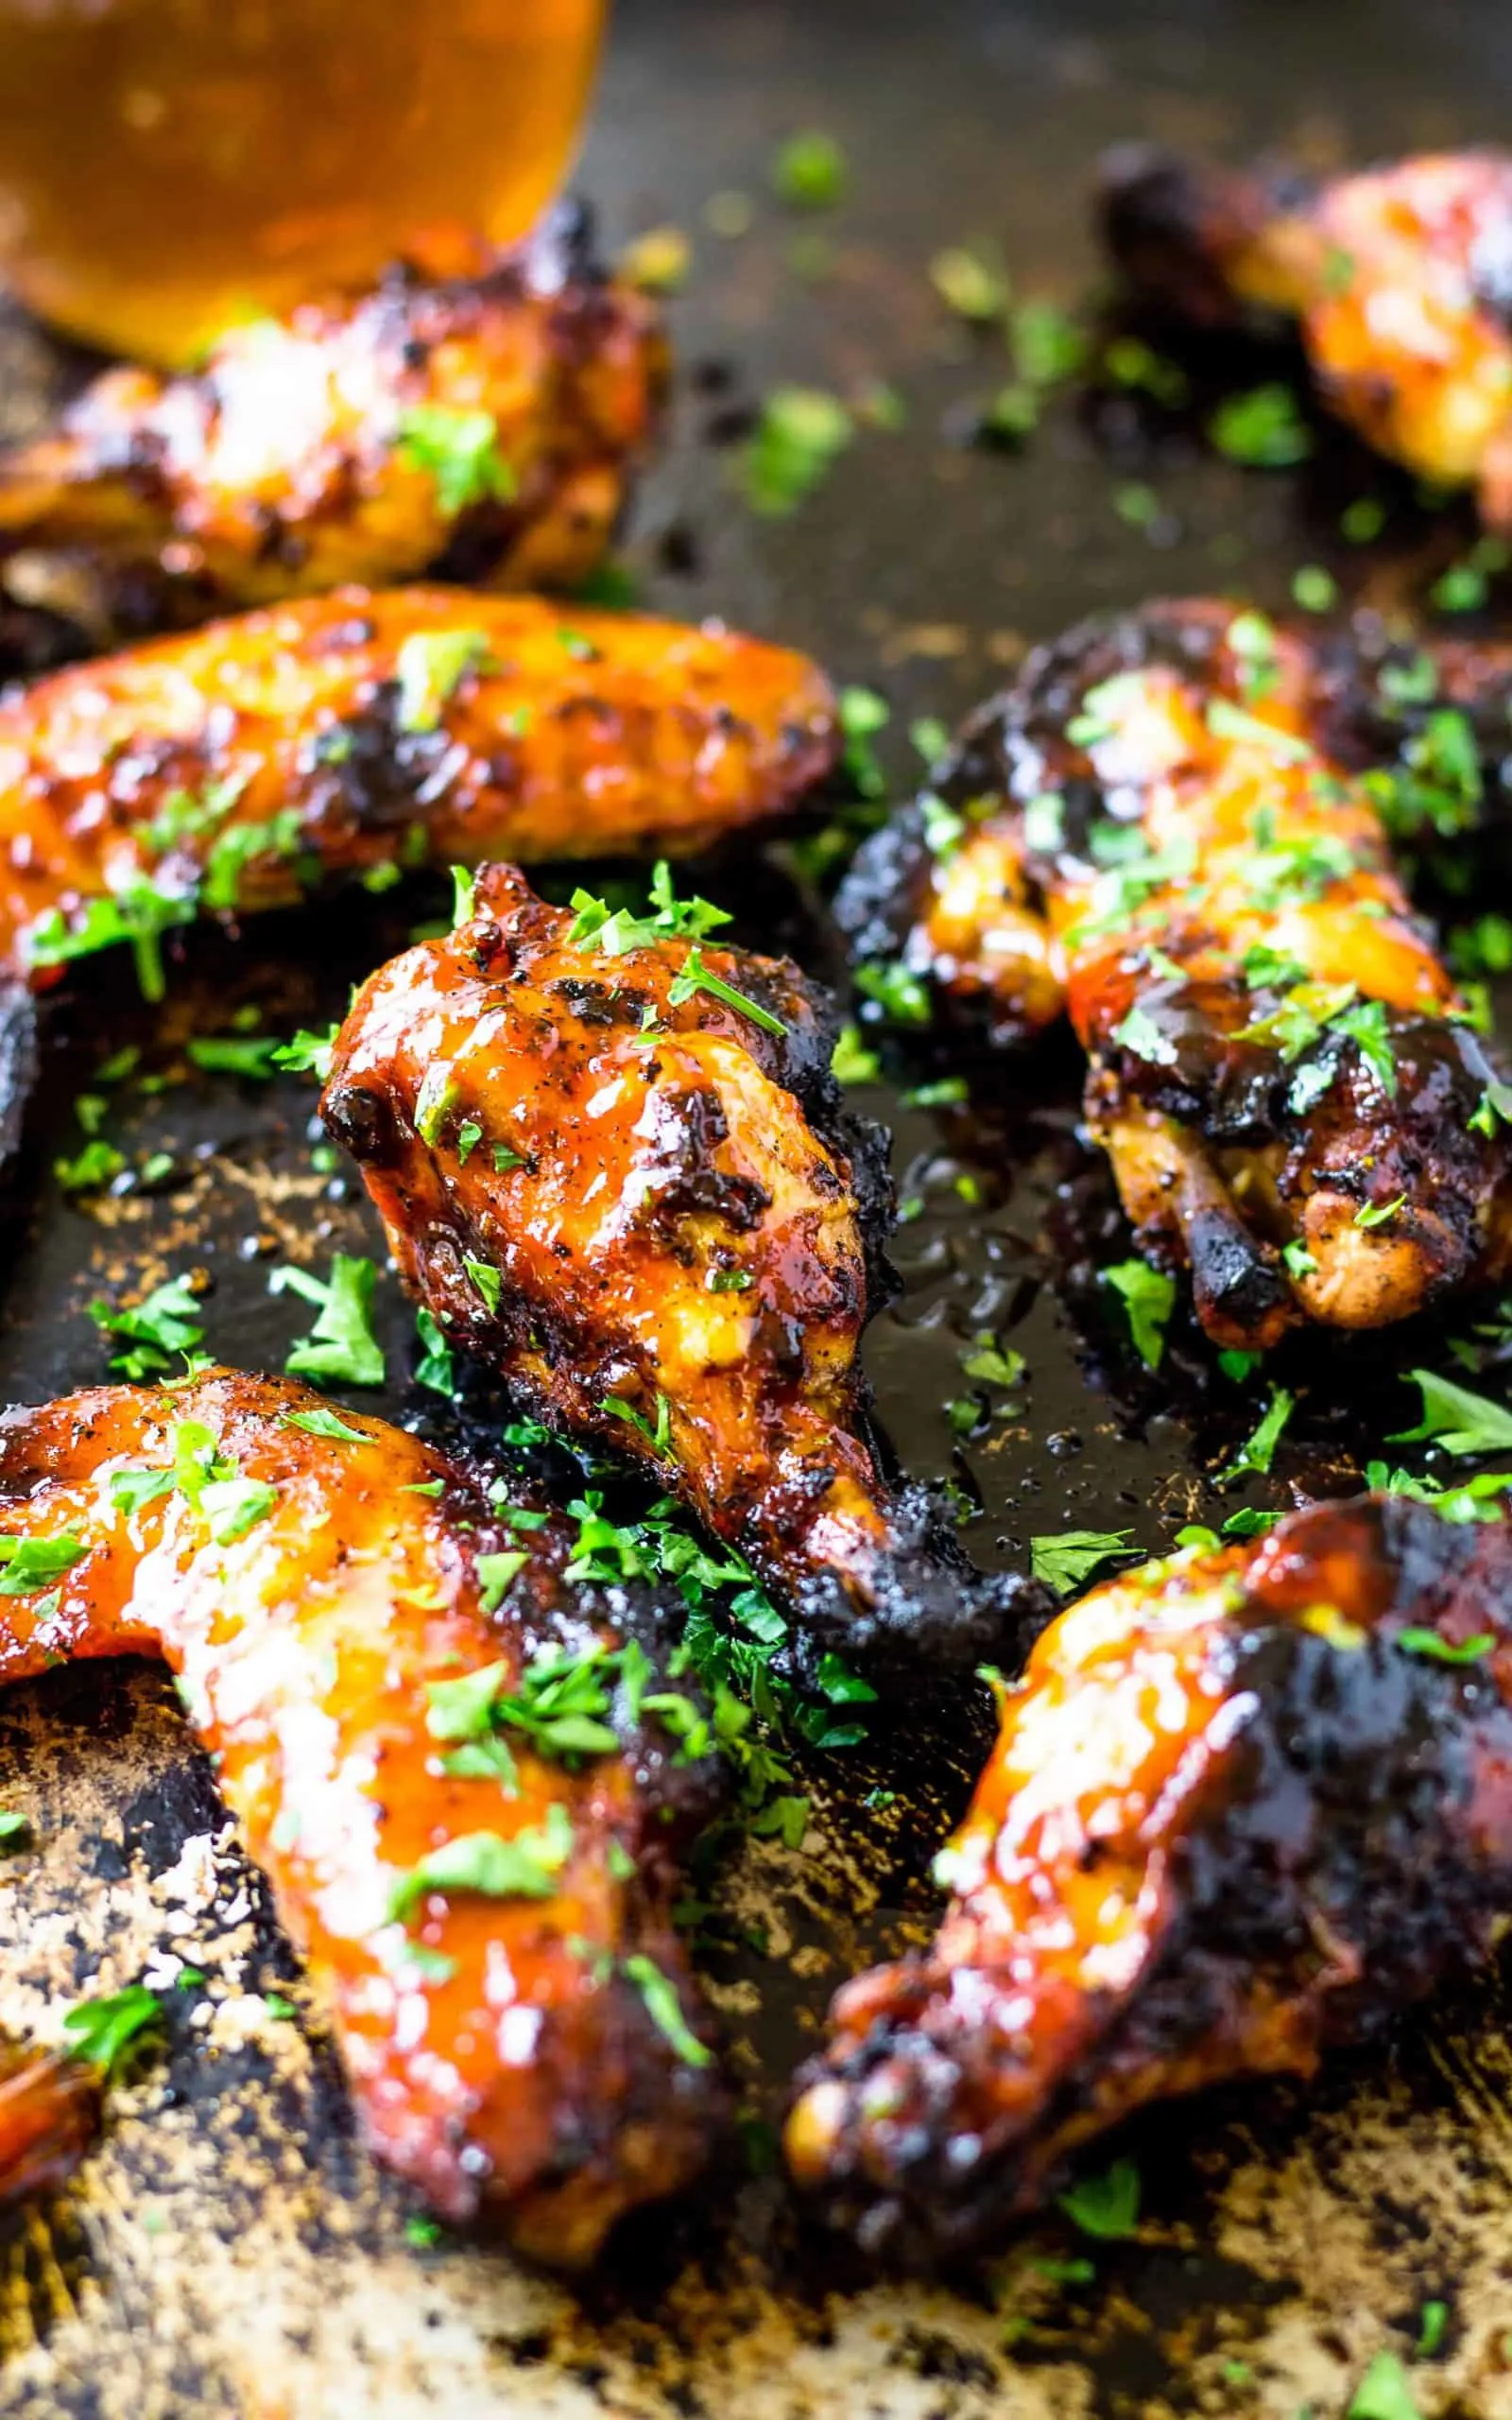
(169, 168)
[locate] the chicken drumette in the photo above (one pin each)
(1245, 1804)
(609, 1157)
(375, 1654)
(1163, 825)
(489, 423)
(1399, 278)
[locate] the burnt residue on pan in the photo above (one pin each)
(229, 2249)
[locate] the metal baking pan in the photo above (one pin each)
(229, 2250)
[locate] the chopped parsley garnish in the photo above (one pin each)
(612, 931)
(902, 996)
(809, 171)
(100, 2033)
(559, 1703)
(851, 1062)
(138, 913)
(968, 283)
(730, 1281)
(438, 1094)
(435, 1368)
(1472, 1500)
(1065, 1562)
(1106, 2206)
(97, 1164)
(1149, 1297)
(1314, 589)
(665, 2009)
(322, 1421)
(525, 1867)
(930, 737)
(1257, 1453)
(341, 1348)
(498, 1573)
(658, 1437)
(15, 1830)
(862, 715)
(1263, 430)
(1103, 708)
(251, 1054)
(1378, 1213)
(165, 1323)
(1414, 1640)
(1456, 1419)
(1048, 345)
(488, 1281)
(986, 1360)
(1297, 1261)
(33, 1564)
(431, 664)
(1138, 1032)
(460, 449)
(802, 431)
(308, 1053)
(1252, 639)
(1384, 2393)
(696, 977)
(1227, 721)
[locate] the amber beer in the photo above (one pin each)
(169, 166)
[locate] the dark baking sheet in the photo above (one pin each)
(229, 2250)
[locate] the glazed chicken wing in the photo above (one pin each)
(490, 420)
(608, 1157)
(1151, 826)
(229, 768)
(367, 1645)
(1244, 1805)
(1400, 279)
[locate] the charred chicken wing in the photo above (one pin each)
(489, 422)
(608, 1157)
(1154, 827)
(370, 1650)
(1244, 1805)
(1400, 279)
(229, 768)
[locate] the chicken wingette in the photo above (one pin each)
(609, 1158)
(1245, 1804)
(1154, 827)
(476, 1868)
(229, 768)
(486, 423)
(1398, 278)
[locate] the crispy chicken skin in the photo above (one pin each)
(500, 2053)
(1400, 279)
(49, 2109)
(1157, 825)
(354, 731)
(646, 1208)
(1232, 1819)
(303, 454)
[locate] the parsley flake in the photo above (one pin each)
(460, 449)
(341, 1348)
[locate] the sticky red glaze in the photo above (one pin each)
(660, 1147)
(1229, 1819)
(49, 2108)
(1396, 277)
(280, 469)
(545, 738)
(531, 2078)
(1199, 818)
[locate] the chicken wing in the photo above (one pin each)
(609, 1160)
(491, 422)
(1151, 826)
(49, 2109)
(1245, 1804)
(1400, 279)
(229, 768)
(367, 1646)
